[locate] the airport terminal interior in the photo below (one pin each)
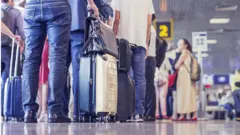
(210, 27)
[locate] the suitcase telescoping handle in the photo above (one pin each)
(11, 59)
(16, 59)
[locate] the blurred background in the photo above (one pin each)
(221, 20)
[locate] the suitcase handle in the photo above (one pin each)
(16, 61)
(11, 59)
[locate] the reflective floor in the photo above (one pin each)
(158, 128)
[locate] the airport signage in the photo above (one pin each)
(199, 40)
(165, 29)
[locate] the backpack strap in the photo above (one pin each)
(189, 72)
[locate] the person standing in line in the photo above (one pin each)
(235, 84)
(43, 18)
(133, 23)
(12, 24)
(186, 89)
(79, 13)
(172, 55)
(7, 31)
(150, 99)
(161, 86)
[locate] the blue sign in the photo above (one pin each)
(221, 79)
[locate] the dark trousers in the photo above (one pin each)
(236, 97)
(169, 103)
(150, 98)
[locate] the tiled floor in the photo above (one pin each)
(158, 128)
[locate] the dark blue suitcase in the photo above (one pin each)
(13, 109)
(86, 92)
(98, 87)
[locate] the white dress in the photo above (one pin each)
(186, 90)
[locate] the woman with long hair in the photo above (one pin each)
(186, 89)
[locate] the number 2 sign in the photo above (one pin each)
(165, 29)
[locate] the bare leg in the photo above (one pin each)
(44, 98)
(39, 100)
(163, 96)
(44, 113)
(157, 100)
(71, 102)
(188, 116)
(174, 117)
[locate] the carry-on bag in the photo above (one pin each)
(126, 97)
(124, 56)
(13, 109)
(98, 72)
(98, 86)
(99, 38)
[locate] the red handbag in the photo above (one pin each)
(172, 79)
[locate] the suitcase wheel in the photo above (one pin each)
(103, 119)
(88, 119)
(111, 119)
(93, 119)
(84, 119)
(20, 119)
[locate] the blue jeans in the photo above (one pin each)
(229, 108)
(138, 75)
(236, 97)
(76, 44)
(41, 18)
(67, 88)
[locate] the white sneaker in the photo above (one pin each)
(43, 117)
(138, 119)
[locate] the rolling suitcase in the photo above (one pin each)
(98, 72)
(13, 109)
(98, 86)
(126, 97)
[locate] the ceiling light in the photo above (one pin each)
(226, 8)
(219, 20)
(212, 41)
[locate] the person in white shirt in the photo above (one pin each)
(133, 20)
(150, 99)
